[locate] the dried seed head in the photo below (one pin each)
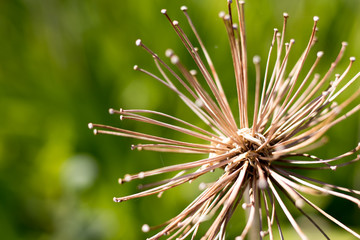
(256, 159)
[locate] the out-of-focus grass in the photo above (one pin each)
(64, 63)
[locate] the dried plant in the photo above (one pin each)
(257, 160)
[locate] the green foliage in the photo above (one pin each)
(63, 63)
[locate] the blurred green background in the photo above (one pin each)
(63, 63)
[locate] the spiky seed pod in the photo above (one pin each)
(257, 159)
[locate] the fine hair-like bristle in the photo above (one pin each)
(256, 155)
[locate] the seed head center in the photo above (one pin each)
(248, 146)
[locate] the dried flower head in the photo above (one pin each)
(258, 158)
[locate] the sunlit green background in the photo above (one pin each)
(63, 63)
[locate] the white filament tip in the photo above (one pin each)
(111, 111)
(299, 203)
(127, 178)
(262, 184)
(286, 15)
(145, 228)
(256, 59)
(141, 175)
(90, 126)
(138, 42)
(344, 43)
(136, 67)
(200, 104)
(334, 105)
(95, 131)
(292, 41)
(316, 18)
(193, 72)
(202, 186)
(175, 23)
(184, 8)
(174, 59)
(320, 54)
(163, 11)
(333, 168)
(221, 14)
(169, 52)
(242, 2)
(352, 59)
(263, 233)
